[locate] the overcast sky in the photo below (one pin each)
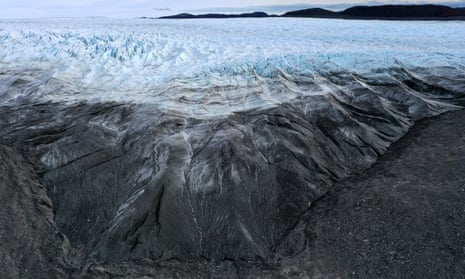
(136, 8)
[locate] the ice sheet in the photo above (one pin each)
(209, 67)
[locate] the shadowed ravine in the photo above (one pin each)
(130, 182)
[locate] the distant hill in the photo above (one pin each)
(313, 12)
(185, 15)
(385, 12)
(398, 12)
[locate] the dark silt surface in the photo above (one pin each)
(402, 218)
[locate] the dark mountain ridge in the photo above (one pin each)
(214, 15)
(405, 11)
(398, 12)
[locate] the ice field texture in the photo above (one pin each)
(209, 67)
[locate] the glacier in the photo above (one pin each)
(209, 139)
(171, 64)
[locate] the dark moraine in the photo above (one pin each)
(123, 189)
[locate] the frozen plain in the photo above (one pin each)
(208, 67)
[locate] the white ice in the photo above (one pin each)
(207, 67)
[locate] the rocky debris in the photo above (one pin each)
(31, 246)
(402, 218)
